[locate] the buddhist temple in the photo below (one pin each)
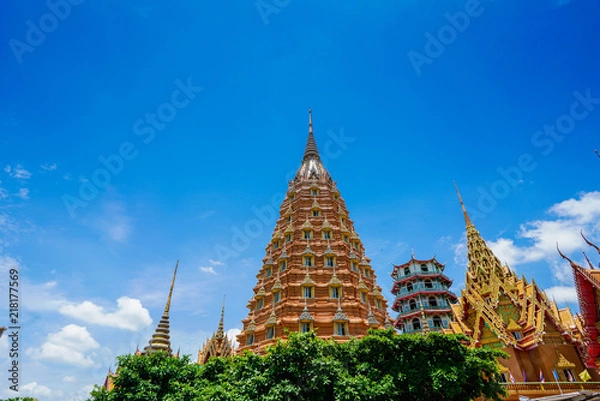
(587, 283)
(315, 274)
(423, 298)
(218, 344)
(500, 310)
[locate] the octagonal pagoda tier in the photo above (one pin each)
(315, 275)
(423, 298)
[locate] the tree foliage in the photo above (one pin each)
(382, 366)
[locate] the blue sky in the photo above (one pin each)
(202, 109)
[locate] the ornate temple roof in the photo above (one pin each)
(497, 307)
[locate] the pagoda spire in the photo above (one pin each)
(462, 205)
(161, 339)
(310, 151)
(220, 334)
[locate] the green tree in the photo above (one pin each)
(381, 366)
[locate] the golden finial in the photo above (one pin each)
(168, 305)
(467, 218)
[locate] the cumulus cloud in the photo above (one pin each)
(36, 390)
(232, 336)
(130, 314)
(562, 294)
(566, 220)
(69, 346)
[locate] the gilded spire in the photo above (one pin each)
(220, 334)
(467, 218)
(311, 146)
(168, 305)
(161, 339)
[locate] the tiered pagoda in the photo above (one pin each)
(315, 275)
(497, 309)
(218, 345)
(161, 340)
(587, 283)
(423, 299)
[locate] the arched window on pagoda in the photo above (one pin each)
(432, 301)
(424, 268)
(428, 284)
(407, 271)
(412, 304)
(437, 322)
(409, 287)
(416, 324)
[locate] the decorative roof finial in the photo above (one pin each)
(467, 218)
(589, 243)
(168, 305)
(311, 146)
(597, 154)
(221, 329)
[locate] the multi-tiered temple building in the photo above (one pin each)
(315, 274)
(423, 296)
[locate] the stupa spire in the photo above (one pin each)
(310, 152)
(161, 339)
(220, 334)
(462, 205)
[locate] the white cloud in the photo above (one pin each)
(215, 262)
(36, 390)
(69, 379)
(49, 166)
(23, 193)
(568, 218)
(562, 294)
(130, 314)
(68, 346)
(17, 172)
(207, 269)
(3, 193)
(232, 336)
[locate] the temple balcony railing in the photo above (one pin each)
(406, 310)
(421, 287)
(537, 389)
